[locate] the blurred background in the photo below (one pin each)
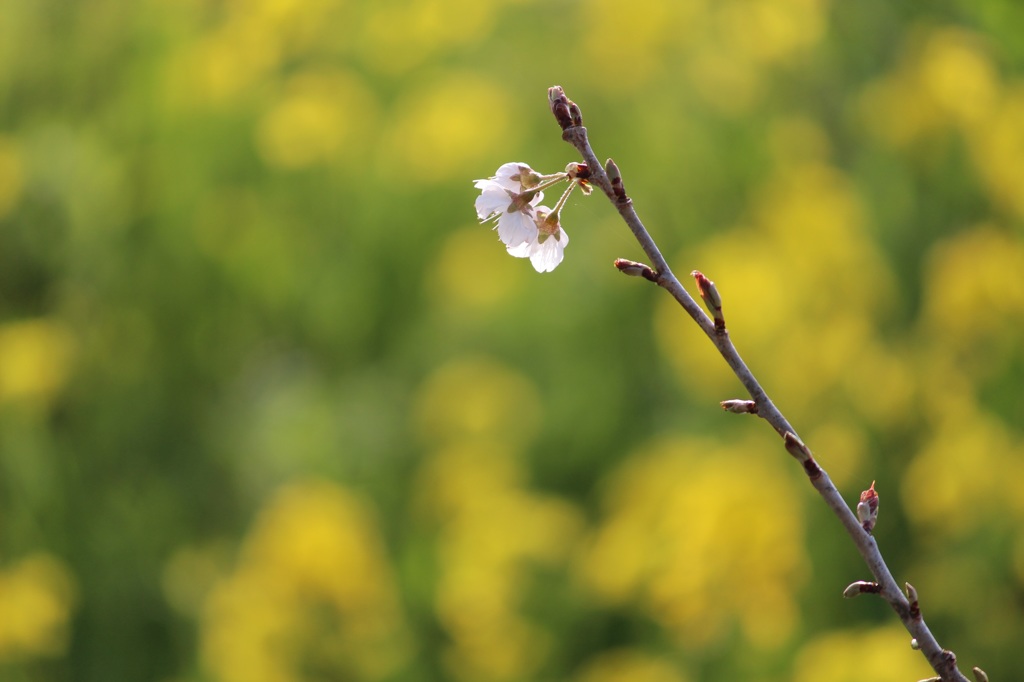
(275, 408)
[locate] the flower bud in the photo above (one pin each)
(867, 508)
(713, 301)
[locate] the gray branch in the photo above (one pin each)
(609, 181)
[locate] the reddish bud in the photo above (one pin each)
(713, 301)
(867, 508)
(634, 269)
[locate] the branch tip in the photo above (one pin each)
(565, 111)
(979, 674)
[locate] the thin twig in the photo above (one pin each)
(573, 132)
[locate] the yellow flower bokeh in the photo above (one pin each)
(880, 655)
(399, 35)
(438, 134)
(36, 359)
(37, 597)
(800, 285)
(492, 530)
(323, 116)
(477, 399)
(705, 536)
(313, 588)
(619, 665)
(974, 292)
(478, 416)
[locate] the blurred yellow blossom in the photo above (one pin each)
(35, 359)
(319, 116)
(37, 595)
(477, 398)
(997, 148)
(728, 80)
(974, 294)
(704, 535)
(455, 281)
(957, 75)
(801, 286)
(440, 133)
(632, 665)
(724, 47)
(247, 42)
(633, 42)
(959, 477)
(880, 655)
(492, 528)
(312, 588)
(771, 30)
(400, 34)
(944, 79)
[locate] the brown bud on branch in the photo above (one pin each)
(861, 587)
(615, 177)
(979, 674)
(566, 112)
(739, 406)
(915, 607)
(713, 301)
(634, 269)
(795, 447)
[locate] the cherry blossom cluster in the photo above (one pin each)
(511, 201)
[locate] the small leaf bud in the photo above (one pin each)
(861, 587)
(739, 406)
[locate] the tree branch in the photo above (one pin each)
(609, 180)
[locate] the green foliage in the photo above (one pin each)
(273, 407)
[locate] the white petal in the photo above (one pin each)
(545, 256)
(505, 173)
(516, 228)
(493, 199)
(521, 251)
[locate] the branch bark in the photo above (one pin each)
(609, 180)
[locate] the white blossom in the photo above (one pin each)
(508, 200)
(546, 249)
